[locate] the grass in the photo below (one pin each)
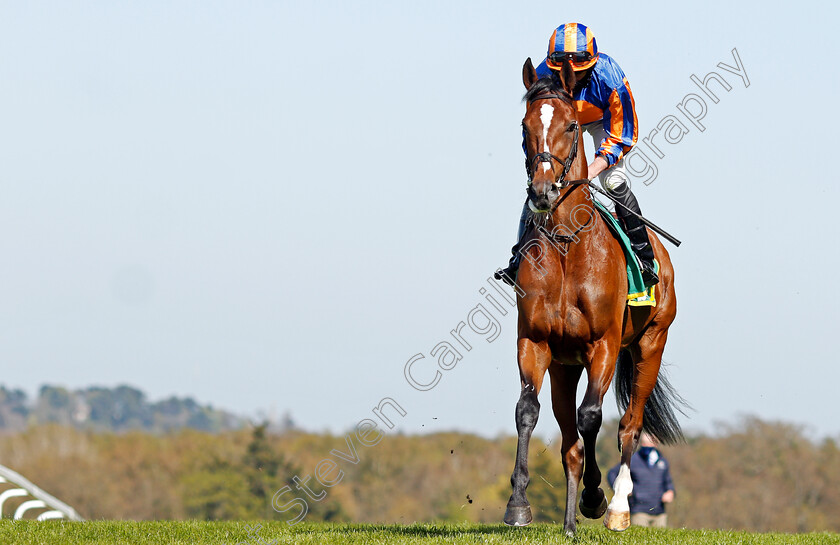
(241, 533)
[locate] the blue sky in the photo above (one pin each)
(275, 205)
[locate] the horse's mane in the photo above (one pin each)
(547, 85)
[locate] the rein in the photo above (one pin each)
(573, 236)
(573, 184)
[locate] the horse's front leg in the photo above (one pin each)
(534, 358)
(564, 381)
(593, 502)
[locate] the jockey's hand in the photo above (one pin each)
(597, 166)
(668, 496)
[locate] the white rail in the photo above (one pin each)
(26, 488)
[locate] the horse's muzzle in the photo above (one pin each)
(541, 202)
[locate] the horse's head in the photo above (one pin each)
(551, 133)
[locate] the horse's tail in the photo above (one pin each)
(660, 417)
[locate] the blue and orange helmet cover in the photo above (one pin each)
(573, 38)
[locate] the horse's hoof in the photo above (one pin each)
(593, 512)
(518, 516)
(617, 521)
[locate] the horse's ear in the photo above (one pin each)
(529, 74)
(567, 76)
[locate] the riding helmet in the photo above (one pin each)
(575, 42)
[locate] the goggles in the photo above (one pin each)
(574, 57)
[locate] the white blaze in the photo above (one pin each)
(546, 115)
(623, 486)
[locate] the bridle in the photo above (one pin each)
(546, 157)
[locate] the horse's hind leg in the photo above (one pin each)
(564, 381)
(534, 359)
(647, 358)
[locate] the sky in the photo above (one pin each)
(274, 206)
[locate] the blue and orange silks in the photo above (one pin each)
(606, 98)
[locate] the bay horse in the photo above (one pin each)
(573, 315)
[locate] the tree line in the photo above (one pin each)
(752, 475)
(118, 409)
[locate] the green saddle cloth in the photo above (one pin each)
(638, 295)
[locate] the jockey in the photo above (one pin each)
(606, 110)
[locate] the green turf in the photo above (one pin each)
(239, 533)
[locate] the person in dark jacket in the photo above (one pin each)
(652, 484)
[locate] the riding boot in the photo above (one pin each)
(636, 232)
(508, 274)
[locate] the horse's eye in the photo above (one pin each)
(572, 127)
